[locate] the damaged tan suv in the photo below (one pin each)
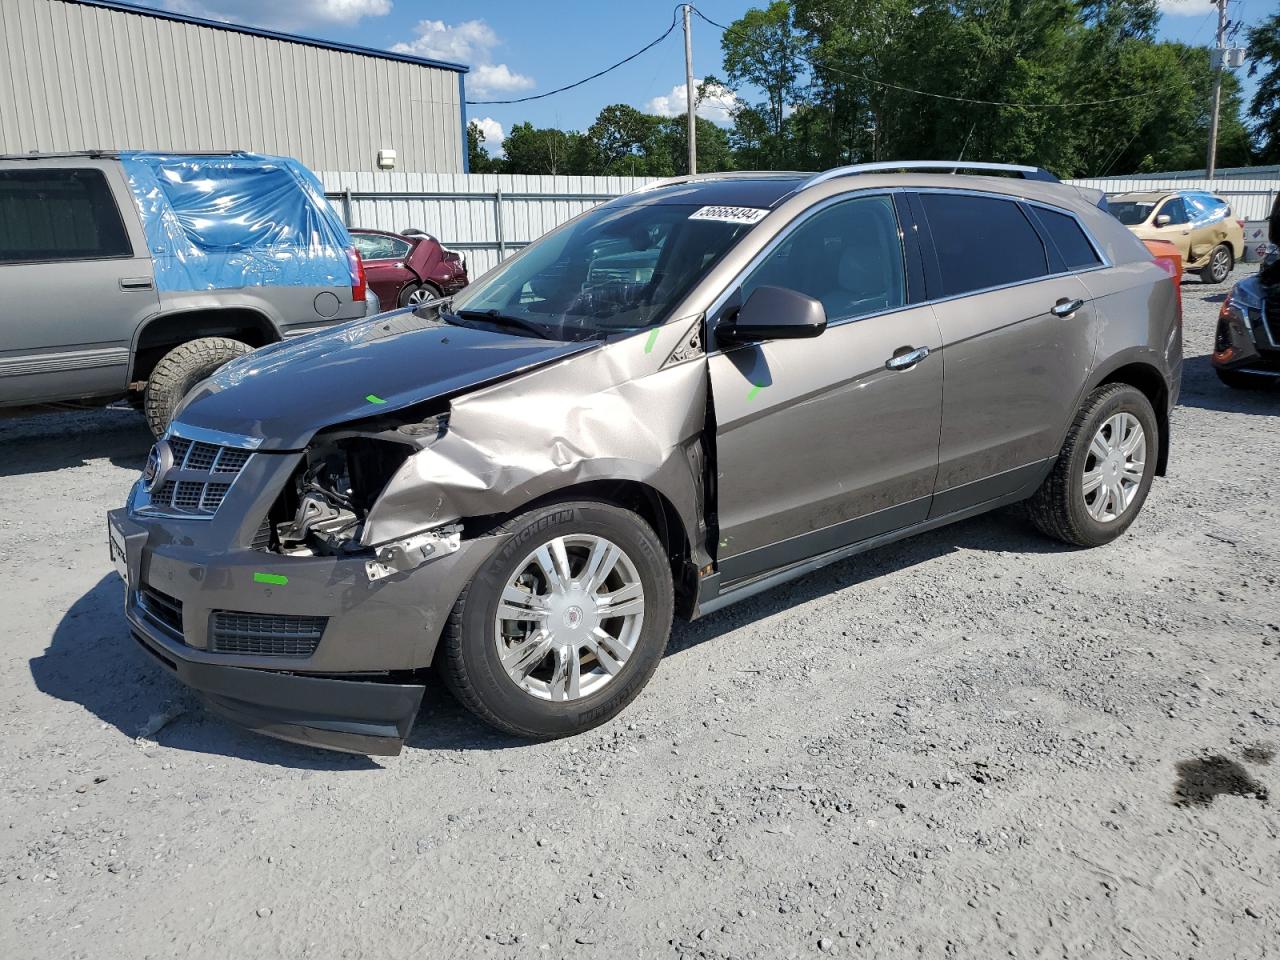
(681, 398)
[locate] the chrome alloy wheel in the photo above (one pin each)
(421, 295)
(1114, 467)
(569, 618)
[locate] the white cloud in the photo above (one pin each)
(285, 15)
(470, 42)
(717, 103)
(493, 134)
(1185, 8)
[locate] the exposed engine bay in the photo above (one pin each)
(323, 512)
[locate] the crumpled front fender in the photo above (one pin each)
(632, 410)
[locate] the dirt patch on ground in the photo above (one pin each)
(974, 744)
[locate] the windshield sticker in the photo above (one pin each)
(730, 214)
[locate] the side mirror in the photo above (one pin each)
(774, 313)
(1163, 220)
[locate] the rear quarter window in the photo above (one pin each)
(982, 242)
(1066, 235)
(59, 214)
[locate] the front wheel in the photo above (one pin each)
(181, 369)
(1219, 266)
(1101, 477)
(564, 624)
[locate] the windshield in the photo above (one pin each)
(1131, 212)
(616, 269)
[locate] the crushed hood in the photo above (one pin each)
(283, 393)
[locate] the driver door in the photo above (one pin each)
(818, 443)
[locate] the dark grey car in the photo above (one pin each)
(522, 486)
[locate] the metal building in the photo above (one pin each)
(101, 74)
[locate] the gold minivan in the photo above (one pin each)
(1200, 225)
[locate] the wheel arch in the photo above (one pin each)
(643, 499)
(163, 332)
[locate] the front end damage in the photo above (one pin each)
(361, 541)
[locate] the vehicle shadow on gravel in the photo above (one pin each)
(92, 660)
(1202, 388)
(57, 441)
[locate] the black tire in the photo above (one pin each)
(181, 369)
(1243, 380)
(1221, 262)
(1058, 508)
(470, 663)
(426, 291)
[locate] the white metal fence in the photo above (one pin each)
(1250, 197)
(487, 216)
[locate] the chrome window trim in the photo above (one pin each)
(732, 287)
(216, 437)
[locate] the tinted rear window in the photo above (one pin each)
(59, 215)
(1076, 250)
(982, 242)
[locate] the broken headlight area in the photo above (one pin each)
(323, 509)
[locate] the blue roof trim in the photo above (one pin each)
(123, 7)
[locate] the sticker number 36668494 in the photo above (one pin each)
(730, 214)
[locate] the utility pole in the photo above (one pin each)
(690, 95)
(1220, 54)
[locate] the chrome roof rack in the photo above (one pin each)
(934, 166)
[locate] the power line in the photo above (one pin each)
(578, 83)
(926, 93)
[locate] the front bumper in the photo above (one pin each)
(347, 692)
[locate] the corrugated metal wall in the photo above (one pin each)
(75, 77)
(486, 216)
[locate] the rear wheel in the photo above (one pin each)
(181, 369)
(1103, 473)
(564, 624)
(416, 293)
(1221, 260)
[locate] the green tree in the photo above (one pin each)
(478, 159)
(1264, 59)
(763, 49)
(544, 150)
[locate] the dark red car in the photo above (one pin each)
(410, 267)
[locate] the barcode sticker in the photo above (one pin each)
(730, 214)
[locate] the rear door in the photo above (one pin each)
(76, 279)
(818, 443)
(1013, 369)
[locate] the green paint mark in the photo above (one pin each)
(653, 338)
(274, 578)
(374, 398)
(756, 388)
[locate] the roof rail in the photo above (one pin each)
(937, 166)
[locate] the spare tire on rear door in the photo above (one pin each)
(181, 369)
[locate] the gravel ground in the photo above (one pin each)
(972, 744)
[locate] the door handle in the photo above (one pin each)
(1065, 307)
(135, 283)
(905, 361)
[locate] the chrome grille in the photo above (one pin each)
(265, 634)
(201, 473)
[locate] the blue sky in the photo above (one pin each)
(520, 48)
